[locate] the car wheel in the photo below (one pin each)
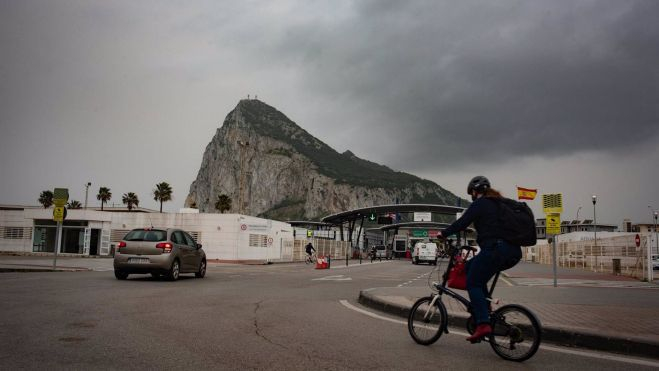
(156, 276)
(202, 270)
(174, 271)
(120, 275)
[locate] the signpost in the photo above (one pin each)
(552, 205)
(60, 198)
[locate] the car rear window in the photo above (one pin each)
(151, 235)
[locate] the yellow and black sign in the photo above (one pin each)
(59, 213)
(553, 223)
(60, 196)
(552, 203)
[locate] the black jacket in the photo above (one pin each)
(484, 214)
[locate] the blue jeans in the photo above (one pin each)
(496, 256)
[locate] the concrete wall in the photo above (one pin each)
(10, 222)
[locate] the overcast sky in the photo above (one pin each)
(561, 95)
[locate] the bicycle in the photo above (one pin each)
(310, 259)
(516, 331)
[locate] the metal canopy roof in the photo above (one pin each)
(351, 215)
(302, 223)
(409, 225)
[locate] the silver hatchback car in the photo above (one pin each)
(167, 252)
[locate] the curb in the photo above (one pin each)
(550, 334)
(36, 270)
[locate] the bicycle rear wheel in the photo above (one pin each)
(516, 333)
(425, 322)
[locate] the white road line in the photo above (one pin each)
(506, 281)
(550, 348)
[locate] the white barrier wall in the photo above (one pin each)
(223, 236)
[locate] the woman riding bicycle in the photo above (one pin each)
(495, 255)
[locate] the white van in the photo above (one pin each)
(424, 252)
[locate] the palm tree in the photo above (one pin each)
(104, 195)
(46, 199)
(74, 204)
(223, 203)
(162, 193)
(129, 199)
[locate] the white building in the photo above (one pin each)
(225, 237)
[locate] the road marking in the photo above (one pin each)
(506, 281)
(583, 353)
(333, 278)
(343, 266)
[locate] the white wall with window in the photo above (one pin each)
(226, 237)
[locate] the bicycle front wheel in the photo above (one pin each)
(427, 322)
(516, 333)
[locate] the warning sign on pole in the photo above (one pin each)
(553, 224)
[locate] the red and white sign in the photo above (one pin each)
(243, 227)
(638, 240)
(433, 234)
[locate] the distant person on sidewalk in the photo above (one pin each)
(309, 248)
(495, 255)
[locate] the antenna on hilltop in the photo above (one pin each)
(247, 96)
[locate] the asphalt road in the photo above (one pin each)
(284, 317)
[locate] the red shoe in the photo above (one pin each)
(482, 330)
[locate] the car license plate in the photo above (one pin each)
(138, 260)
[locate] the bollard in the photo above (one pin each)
(329, 261)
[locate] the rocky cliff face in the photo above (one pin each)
(282, 172)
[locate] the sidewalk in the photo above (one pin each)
(44, 263)
(578, 313)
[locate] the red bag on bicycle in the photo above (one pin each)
(457, 276)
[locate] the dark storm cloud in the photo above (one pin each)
(491, 80)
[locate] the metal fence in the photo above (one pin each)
(335, 249)
(617, 255)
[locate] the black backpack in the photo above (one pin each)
(516, 221)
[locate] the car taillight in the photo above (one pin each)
(120, 245)
(165, 246)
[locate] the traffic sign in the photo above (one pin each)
(422, 217)
(59, 213)
(552, 203)
(372, 217)
(420, 233)
(60, 196)
(554, 223)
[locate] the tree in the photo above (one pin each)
(130, 199)
(223, 203)
(162, 193)
(104, 195)
(46, 199)
(74, 204)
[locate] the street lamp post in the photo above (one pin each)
(655, 231)
(87, 192)
(577, 226)
(595, 221)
